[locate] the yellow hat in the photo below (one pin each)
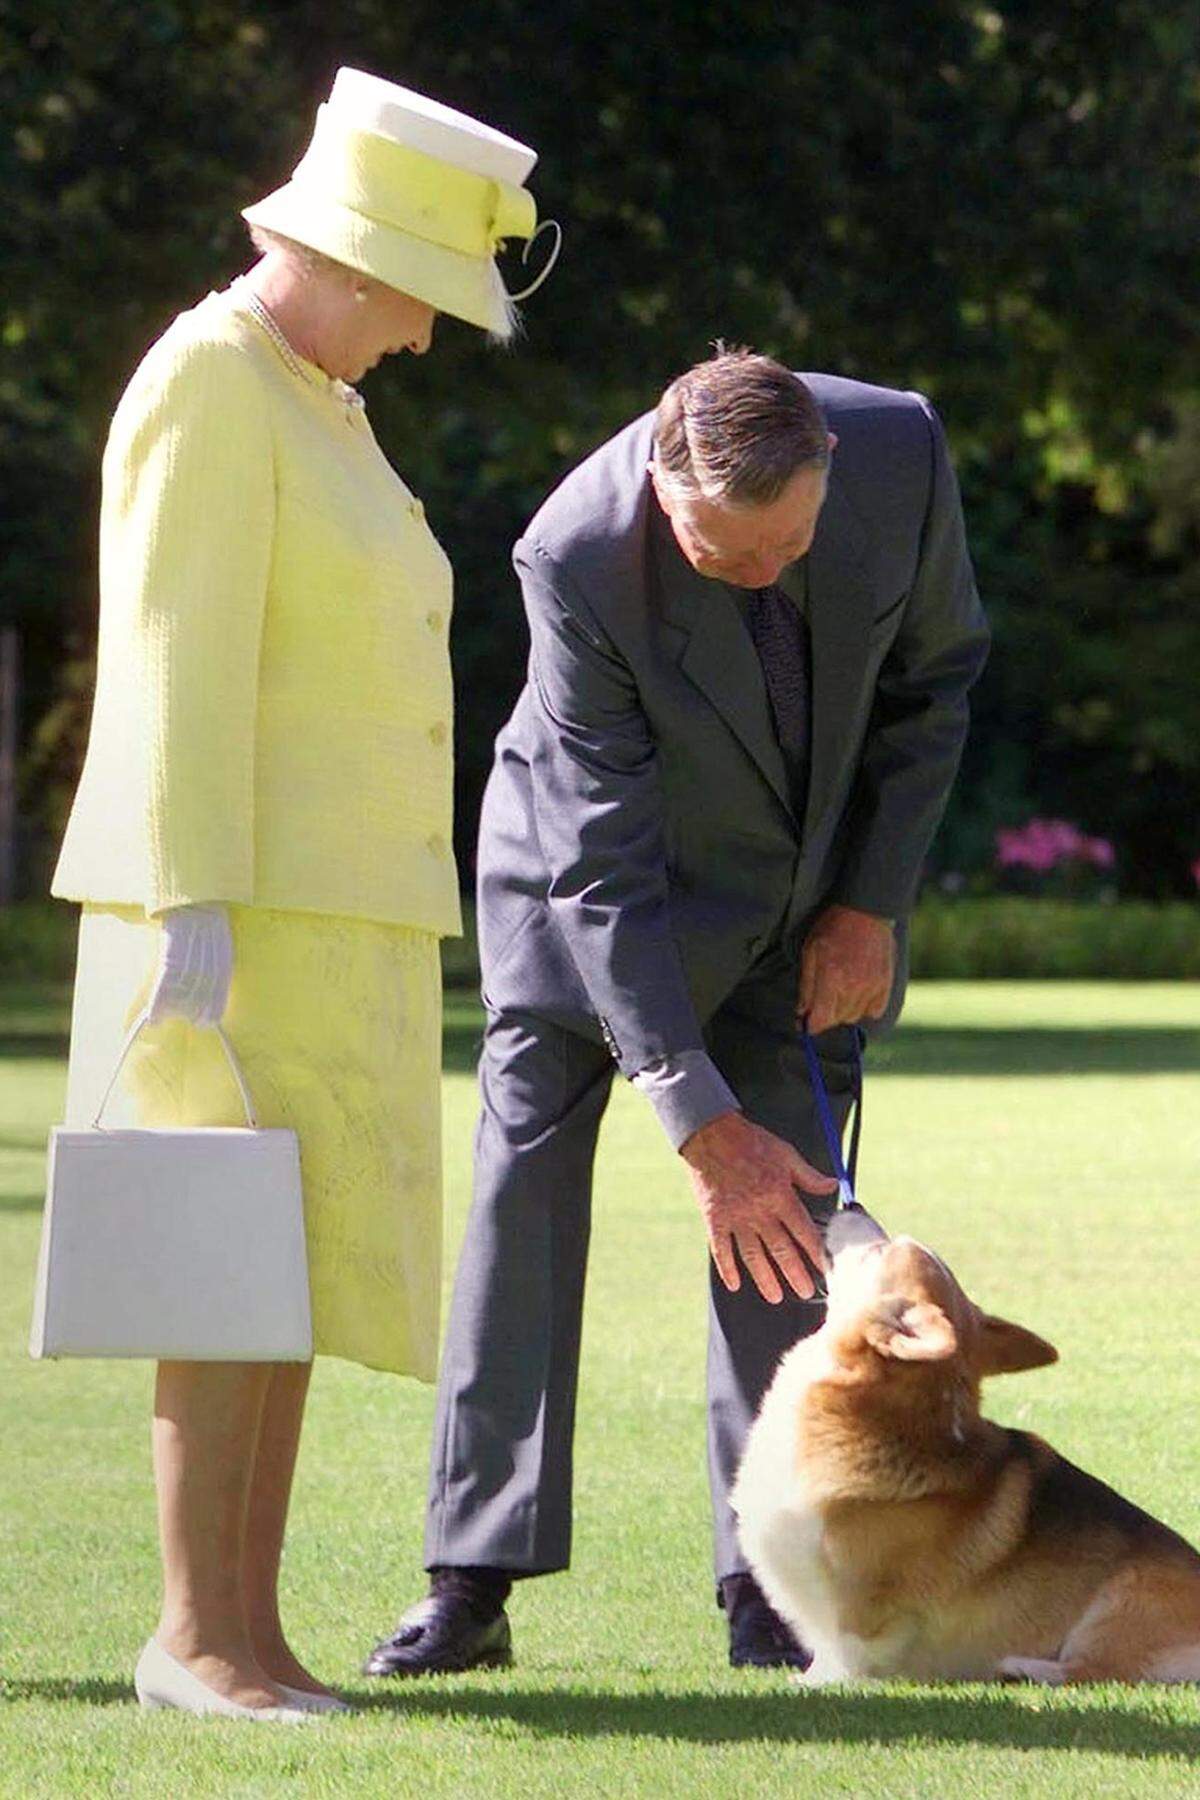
(413, 193)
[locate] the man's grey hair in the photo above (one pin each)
(736, 429)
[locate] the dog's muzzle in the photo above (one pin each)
(851, 1228)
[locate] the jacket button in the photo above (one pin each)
(436, 843)
(434, 621)
(437, 733)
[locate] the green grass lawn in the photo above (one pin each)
(1046, 1139)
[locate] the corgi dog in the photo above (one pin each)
(904, 1536)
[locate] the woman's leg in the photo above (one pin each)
(266, 1522)
(207, 1418)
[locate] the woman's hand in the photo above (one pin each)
(195, 966)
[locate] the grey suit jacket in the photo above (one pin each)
(637, 847)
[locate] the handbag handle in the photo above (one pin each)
(143, 1018)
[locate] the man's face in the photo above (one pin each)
(747, 546)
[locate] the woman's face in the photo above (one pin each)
(382, 323)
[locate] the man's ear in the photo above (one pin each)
(1005, 1347)
(910, 1330)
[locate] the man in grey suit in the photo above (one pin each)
(753, 629)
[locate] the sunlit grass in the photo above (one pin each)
(1046, 1139)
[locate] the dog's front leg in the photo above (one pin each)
(824, 1670)
(1042, 1669)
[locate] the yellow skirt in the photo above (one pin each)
(337, 1025)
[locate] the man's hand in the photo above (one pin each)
(745, 1180)
(846, 969)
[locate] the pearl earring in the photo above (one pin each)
(360, 295)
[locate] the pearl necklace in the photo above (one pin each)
(349, 396)
(267, 321)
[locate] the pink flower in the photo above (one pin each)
(1196, 871)
(1042, 844)
(1010, 849)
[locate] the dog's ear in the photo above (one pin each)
(1005, 1347)
(910, 1330)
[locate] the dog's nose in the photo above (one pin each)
(852, 1228)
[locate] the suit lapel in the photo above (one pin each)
(840, 611)
(718, 656)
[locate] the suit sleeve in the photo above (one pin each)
(598, 808)
(919, 718)
(189, 519)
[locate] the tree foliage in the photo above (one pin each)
(994, 203)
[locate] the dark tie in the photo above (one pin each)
(780, 636)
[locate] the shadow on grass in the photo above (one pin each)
(21, 1203)
(462, 1037)
(26, 1143)
(911, 1050)
(1132, 1050)
(937, 1050)
(88, 1692)
(19, 1044)
(939, 1717)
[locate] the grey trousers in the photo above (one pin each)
(501, 1464)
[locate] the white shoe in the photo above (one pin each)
(160, 1681)
(313, 1703)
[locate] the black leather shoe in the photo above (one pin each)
(441, 1635)
(758, 1637)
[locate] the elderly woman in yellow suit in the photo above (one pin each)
(262, 833)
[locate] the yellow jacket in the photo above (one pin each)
(273, 714)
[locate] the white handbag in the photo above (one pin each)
(182, 1243)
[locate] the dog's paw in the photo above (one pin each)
(818, 1674)
(1031, 1668)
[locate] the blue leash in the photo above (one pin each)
(833, 1137)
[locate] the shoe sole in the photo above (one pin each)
(774, 1662)
(491, 1659)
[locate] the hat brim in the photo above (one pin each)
(466, 287)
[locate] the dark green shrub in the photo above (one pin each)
(1054, 940)
(1007, 938)
(37, 941)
